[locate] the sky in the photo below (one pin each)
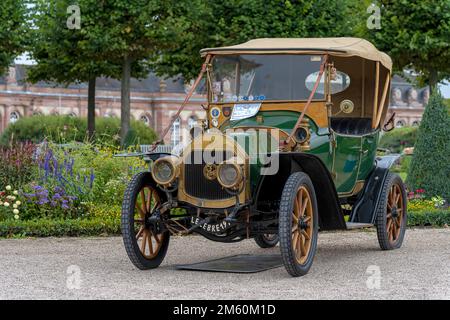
(444, 87)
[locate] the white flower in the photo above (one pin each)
(1, 203)
(13, 198)
(15, 211)
(15, 206)
(18, 202)
(16, 216)
(6, 204)
(8, 188)
(16, 192)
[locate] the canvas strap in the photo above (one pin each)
(183, 105)
(308, 103)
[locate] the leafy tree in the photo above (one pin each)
(430, 168)
(66, 53)
(137, 30)
(236, 21)
(416, 35)
(13, 28)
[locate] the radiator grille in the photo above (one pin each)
(195, 183)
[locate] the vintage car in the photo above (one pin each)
(288, 148)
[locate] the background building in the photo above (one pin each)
(153, 101)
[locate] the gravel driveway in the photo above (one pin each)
(348, 265)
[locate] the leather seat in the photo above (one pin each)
(352, 126)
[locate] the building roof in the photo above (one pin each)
(334, 46)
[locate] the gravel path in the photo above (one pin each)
(348, 265)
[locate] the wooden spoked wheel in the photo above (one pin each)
(298, 224)
(145, 239)
(302, 231)
(146, 203)
(391, 213)
(395, 210)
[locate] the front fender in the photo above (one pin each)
(271, 186)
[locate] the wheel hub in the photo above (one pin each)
(394, 212)
(302, 224)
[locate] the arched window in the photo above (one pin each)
(176, 132)
(145, 119)
(72, 114)
(14, 117)
(400, 124)
(416, 123)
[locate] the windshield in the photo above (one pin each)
(236, 78)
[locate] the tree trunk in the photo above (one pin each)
(433, 80)
(91, 109)
(125, 100)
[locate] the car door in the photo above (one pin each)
(346, 161)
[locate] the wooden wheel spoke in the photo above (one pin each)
(144, 242)
(294, 217)
(305, 203)
(294, 239)
(389, 216)
(150, 243)
(158, 241)
(139, 234)
(300, 203)
(149, 200)
(141, 212)
(306, 235)
(143, 206)
(294, 228)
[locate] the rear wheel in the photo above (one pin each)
(145, 245)
(391, 213)
(267, 240)
(298, 224)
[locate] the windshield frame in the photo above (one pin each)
(210, 81)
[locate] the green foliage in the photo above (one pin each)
(235, 21)
(16, 164)
(399, 138)
(430, 168)
(435, 218)
(12, 31)
(63, 129)
(60, 227)
(66, 55)
(415, 34)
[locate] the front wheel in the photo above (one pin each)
(145, 245)
(298, 224)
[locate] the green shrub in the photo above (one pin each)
(398, 139)
(60, 227)
(16, 164)
(433, 217)
(430, 169)
(63, 129)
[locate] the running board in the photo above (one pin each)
(357, 225)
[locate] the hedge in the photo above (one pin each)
(435, 218)
(108, 227)
(62, 129)
(398, 139)
(59, 228)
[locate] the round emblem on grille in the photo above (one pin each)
(210, 171)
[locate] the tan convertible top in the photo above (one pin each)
(346, 47)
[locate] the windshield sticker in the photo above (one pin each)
(316, 58)
(244, 111)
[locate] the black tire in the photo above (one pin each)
(295, 182)
(139, 182)
(267, 241)
(387, 238)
